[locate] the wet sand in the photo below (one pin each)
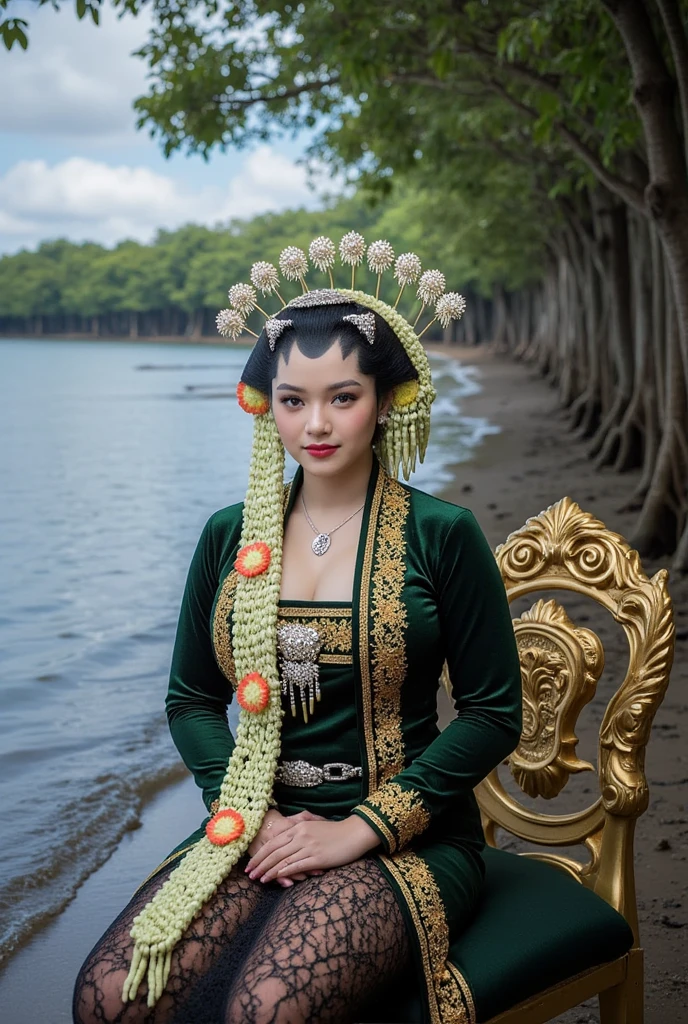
(531, 464)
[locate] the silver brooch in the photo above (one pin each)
(275, 329)
(365, 322)
(299, 648)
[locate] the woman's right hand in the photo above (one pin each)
(273, 824)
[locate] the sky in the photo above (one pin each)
(73, 165)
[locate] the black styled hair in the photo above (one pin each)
(315, 329)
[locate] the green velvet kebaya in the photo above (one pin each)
(426, 590)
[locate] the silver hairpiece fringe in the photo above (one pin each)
(318, 297)
(274, 329)
(365, 322)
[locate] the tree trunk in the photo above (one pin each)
(627, 439)
(585, 414)
(666, 194)
(678, 42)
(656, 530)
(608, 433)
(499, 319)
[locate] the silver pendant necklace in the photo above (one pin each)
(322, 542)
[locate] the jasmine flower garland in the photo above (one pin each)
(247, 786)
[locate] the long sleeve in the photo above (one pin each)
(480, 649)
(198, 693)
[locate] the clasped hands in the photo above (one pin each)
(289, 848)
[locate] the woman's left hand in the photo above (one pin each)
(312, 846)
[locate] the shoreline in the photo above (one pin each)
(512, 475)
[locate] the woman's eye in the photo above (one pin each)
(346, 398)
(291, 401)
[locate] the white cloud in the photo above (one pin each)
(76, 80)
(83, 199)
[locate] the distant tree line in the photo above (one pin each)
(176, 285)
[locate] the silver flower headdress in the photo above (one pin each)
(405, 435)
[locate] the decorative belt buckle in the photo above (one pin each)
(304, 774)
(339, 772)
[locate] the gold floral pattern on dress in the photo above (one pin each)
(448, 1002)
(463, 999)
(388, 633)
(363, 628)
(222, 639)
(402, 809)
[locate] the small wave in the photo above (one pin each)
(87, 829)
(466, 378)
(477, 428)
(444, 405)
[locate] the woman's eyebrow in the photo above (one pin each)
(330, 387)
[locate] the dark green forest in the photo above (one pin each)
(176, 285)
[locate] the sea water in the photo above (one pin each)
(112, 457)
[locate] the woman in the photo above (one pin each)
(344, 841)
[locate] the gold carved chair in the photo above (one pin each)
(554, 931)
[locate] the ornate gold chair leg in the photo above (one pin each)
(623, 1004)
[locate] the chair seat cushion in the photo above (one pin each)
(535, 927)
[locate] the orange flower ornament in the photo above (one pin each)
(253, 559)
(253, 693)
(251, 400)
(224, 827)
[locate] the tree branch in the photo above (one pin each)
(287, 94)
(547, 82)
(626, 190)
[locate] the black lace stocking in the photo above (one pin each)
(98, 991)
(313, 952)
(330, 942)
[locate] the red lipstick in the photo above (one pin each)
(321, 451)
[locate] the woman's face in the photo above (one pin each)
(325, 410)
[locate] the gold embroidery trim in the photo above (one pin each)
(465, 993)
(446, 999)
(222, 638)
(320, 610)
(378, 823)
(363, 637)
(388, 632)
(336, 659)
(404, 810)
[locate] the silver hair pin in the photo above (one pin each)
(274, 329)
(365, 323)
